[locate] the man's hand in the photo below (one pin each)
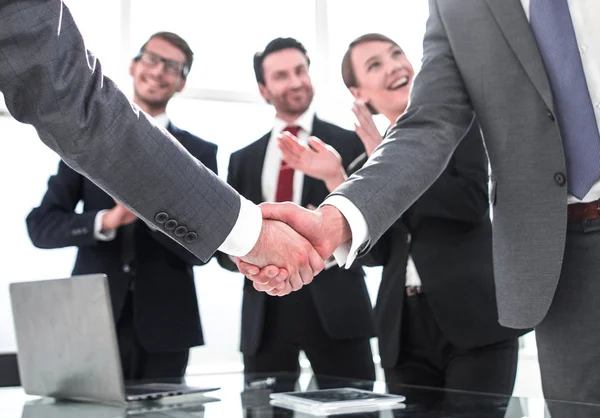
(365, 127)
(325, 228)
(320, 160)
(280, 245)
(272, 278)
(118, 216)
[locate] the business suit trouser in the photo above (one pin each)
(427, 358)
(137, 362)
(293, 324)
(568, 338)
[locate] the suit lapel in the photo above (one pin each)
(512, 20)
(257, 169)
(320, 131)
(172, 129)
(175, 131)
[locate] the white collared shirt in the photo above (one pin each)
(584, 14)
(273, 157)
(162, 120)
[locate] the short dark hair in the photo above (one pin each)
(179, 43)
(348, 73)
(275, 45)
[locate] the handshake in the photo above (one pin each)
(292, 246)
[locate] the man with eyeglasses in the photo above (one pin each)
(159, 71)
(150, 276)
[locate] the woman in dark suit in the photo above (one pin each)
(436, 314)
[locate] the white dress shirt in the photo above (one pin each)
(273, 157)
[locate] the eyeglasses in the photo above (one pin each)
(171, 67)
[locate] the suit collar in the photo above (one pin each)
(255, 175)
(320, 129)
(173, 130)
(511, 18)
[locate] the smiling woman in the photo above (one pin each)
(377, 72)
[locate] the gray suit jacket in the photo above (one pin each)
(50, 81)
(480, 57)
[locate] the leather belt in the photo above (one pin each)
(578, 212)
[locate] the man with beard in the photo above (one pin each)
(150, 276)
(333, 327)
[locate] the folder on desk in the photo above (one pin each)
(336, 401)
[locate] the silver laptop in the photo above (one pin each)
(48, 408)
(67, 343)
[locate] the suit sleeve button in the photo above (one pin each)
(180, 231)
(190, 237)
(171, 224)
(161, 217)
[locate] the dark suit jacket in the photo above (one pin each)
(449, 235)
(165, 305)
(340, 295)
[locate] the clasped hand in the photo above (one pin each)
(292, 246)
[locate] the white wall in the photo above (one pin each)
(24, 168)
(220, 104)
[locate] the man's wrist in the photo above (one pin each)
(346, 253)
(244, 235)
(337, 227)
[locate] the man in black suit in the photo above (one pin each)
(332, 327)
(150, 276)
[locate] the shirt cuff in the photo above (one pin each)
(242, 238)
(346, 253)
(329, 263)
(107, 235)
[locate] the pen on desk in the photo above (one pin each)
(262, 383)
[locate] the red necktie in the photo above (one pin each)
(285, 183)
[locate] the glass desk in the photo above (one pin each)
(235, 399)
